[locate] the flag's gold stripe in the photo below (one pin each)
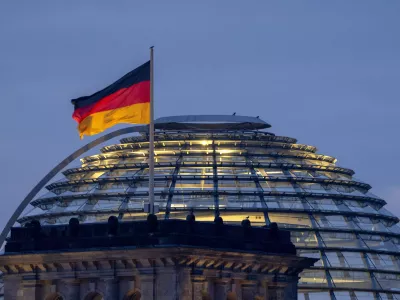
(100, 121)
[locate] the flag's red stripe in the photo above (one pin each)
(137, 93)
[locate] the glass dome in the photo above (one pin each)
(236, 169)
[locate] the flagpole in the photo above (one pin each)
(151, 134)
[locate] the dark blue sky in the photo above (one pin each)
(324, 72)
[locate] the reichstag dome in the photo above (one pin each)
(232, 166)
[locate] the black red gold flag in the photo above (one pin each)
(125, 101)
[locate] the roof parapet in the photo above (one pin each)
(210, 122)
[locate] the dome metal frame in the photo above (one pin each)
(225, 166)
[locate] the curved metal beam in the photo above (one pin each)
(61, 166)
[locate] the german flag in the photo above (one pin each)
(125, 101)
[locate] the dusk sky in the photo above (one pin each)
(324, 72)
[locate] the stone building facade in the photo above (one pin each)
(150, 260)
(162, 274)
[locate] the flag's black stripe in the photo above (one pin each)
(140, 74)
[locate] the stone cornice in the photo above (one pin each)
(119, 261)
